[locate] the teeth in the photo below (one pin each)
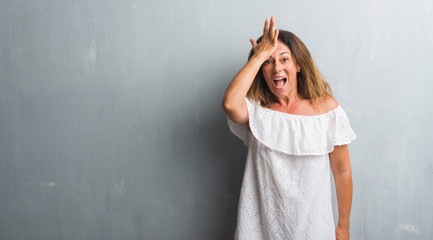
(278, 78)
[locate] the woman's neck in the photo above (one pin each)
(287, 101)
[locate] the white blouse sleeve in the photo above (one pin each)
(241, 130)
(344, 133)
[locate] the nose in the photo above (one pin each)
(277, 67)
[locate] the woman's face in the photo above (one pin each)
(280, 71)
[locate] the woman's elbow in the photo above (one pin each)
(236, 116)
(226, 105)
(229, 108)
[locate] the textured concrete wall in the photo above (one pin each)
(111, 125)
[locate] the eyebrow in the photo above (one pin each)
(280, 54)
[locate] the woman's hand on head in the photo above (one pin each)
(269, 41)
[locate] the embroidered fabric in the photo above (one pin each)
(286, 188)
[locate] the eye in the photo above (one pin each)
(268, 62)
(285, 59)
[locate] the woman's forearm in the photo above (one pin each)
(233, 101)
(344, 189)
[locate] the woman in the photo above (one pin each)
(283, 110)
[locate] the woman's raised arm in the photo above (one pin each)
(234, 98)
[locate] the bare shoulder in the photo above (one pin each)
(328, 104)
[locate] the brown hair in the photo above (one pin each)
(310, 83)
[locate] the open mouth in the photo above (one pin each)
(279, 83)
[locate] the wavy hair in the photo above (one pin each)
(310, 83)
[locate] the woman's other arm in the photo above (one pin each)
(234, 99)
(340, 165)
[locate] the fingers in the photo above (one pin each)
(266, 28)
(272, 28)
(269, 28)
(276, 36)
(253, 43)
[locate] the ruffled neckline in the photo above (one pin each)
(295, 134)
(302, 116)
